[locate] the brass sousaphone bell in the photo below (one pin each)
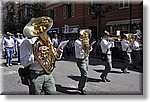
(38, 27)
(86, 33)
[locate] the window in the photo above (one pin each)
(90, 12)
(124, 4)
(90, 9)
(64, 12)
(73, 10)
(69, 11)
(53, 14)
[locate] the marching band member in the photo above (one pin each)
(127, 45)
(82, 55)
(106, 45)
(41, 82)
(126, 48)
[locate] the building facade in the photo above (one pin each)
(69, 18)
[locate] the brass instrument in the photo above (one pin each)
(85, 33)
(130, 38)
(38, 27)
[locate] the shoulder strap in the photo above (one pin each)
(106, 51)
(127, 49)
(27, 67)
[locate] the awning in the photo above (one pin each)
(120, 22)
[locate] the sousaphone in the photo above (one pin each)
(38, 27)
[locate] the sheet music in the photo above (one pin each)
(92, 43)
(63, 44)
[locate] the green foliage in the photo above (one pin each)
(100, 9)
(38, 9)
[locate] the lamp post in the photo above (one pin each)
(17, 15)
(130, 17)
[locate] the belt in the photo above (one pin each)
(9, 47)
(80, 58)
(38, 72)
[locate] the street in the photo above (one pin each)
(66, 75)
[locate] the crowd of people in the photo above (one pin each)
(13, 41)
(11, 47)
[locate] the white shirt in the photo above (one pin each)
(125, 45)
(55, 42)
(79, 52)
(136, 45)
(8, 42)
(106, 45)
(27, 56)
(19, 41)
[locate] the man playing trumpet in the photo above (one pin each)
(106, 45)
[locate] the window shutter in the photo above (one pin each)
(64, 12)
(55, 16)
(73, 10)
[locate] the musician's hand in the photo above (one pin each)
(41, 51)
(59, 51)
(110, 39)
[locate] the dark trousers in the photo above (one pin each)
(127, 60)
(18, 54)
(108, 66)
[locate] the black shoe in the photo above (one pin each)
(103, 79)
(82, 92)
(107, 80)
(124, 71)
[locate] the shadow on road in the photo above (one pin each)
(77, 78)
(117, 64)
(66, 90)
(100, 71)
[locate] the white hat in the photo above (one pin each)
(9, 34)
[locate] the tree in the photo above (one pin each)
(38, 9)
(100, 9)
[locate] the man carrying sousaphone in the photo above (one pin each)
(82, 50)
(38, 54)
(128, 44)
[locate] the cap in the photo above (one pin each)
(106, 33)
(9, 34)
(85, 31)
(82, 32)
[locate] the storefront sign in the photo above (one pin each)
(54, 30)
(70, 29)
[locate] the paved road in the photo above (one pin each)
(67, 75)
